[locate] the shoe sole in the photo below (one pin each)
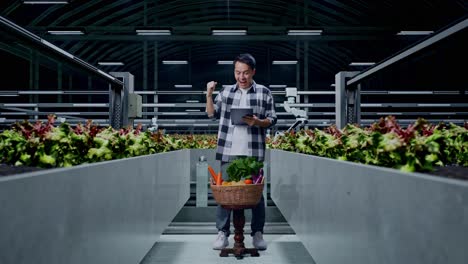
(214, 248)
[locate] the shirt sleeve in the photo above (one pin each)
(217, 106)
(270, 113)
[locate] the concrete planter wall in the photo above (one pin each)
(351, 213)
(113, 212)
(108, 212)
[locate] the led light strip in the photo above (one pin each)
(226, 32)
(111, 63)
(40, 92)
(284, 62)
(59, 2)
(304, 32)
(90, 105)
(174, 62)
(361, 63)
(65, 32)
(153, 32)
(414, 32)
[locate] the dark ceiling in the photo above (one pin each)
(353, 30)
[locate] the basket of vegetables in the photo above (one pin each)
(244, 187)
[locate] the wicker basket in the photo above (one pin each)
(237, 195)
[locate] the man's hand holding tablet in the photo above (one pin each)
(239, 114)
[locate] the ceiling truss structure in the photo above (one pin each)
(352, 30)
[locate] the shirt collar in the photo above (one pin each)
(253, 90)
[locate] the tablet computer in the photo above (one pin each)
(238, 113)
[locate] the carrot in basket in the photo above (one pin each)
(219, 179)
(213, 173)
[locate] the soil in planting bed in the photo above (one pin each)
(453, 171)
(6, 169)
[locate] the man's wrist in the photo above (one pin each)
(262, 122)
(259, 122)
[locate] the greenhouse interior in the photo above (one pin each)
(158, 131)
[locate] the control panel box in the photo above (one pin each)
(134, 105)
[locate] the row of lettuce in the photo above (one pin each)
(418, 147)
(46, 145)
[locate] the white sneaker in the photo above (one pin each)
(258, 241)
(221, 241)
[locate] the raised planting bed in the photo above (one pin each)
(106, 212)
(346, 212)
(455, 172)
(420, 147)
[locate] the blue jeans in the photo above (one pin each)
(223, 216)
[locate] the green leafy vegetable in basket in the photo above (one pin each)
(243, 168)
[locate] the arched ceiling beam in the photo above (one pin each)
(338, 55)
(175, 13)
(345, 10)
(203, 53)
(463, 4)
(133, 58)
(11, 8)
(101, 16)
(87, 48)
(77, 46)
(325, 61)
(118, 52)
(91, 5)
(46, 14)
(326, 15)
(105, 50)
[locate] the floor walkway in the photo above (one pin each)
(192, 249)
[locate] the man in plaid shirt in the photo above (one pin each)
(236, 141)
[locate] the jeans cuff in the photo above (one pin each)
(226, 233)
(253, 232)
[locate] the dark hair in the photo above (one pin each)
(247, 59)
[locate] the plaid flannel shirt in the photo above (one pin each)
(261, 101)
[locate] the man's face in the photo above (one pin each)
(244, 75)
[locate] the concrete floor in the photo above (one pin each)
(191, 249)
